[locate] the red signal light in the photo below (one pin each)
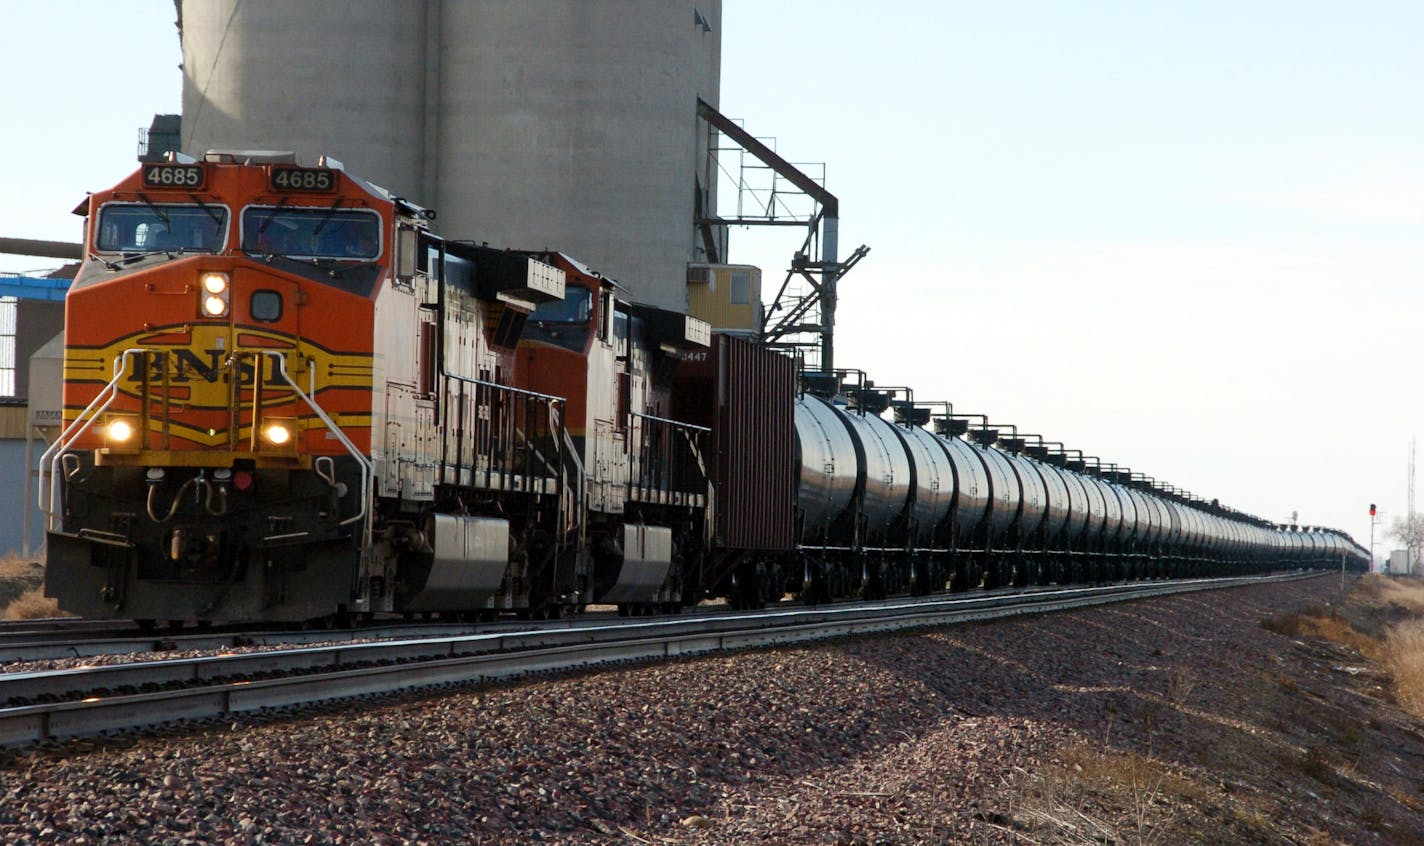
(1372, 509)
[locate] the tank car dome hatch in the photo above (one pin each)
(824, 385)
(908, 414)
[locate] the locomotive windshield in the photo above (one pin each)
(312, 233)
(148, 227)
(575, 307)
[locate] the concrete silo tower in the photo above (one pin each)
(345, 79)
(565, 124)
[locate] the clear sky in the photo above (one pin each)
(1183, 236)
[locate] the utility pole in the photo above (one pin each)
(1409, 516)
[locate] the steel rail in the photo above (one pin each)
(393, 667)
(64, 639)
(67, 638)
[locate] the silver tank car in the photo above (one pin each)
(934, 489)
(889, 506)
(829, 467)
(971, 488)
(886, 472)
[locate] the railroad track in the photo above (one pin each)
(66, 638)
(90, 701)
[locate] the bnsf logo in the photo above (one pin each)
(202, 379)
(185, 366)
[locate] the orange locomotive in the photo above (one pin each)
(286, 399)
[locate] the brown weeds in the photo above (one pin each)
(1379, 591)
(1404, 659)
(1073, 801)
(32, 605)
(1325, 624)
(1375, 603)
(13, 567)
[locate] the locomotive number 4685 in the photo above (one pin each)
(172, 176)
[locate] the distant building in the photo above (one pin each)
(26, 327)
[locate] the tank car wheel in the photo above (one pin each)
(175, 625)
(146, 625)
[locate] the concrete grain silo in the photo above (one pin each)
(345, 79)
(566, 124)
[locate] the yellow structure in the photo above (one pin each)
(727, 296)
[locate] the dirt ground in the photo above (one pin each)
(1223, 717)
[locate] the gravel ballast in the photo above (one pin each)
(970, 734)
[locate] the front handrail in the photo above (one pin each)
(498, 434)
(361, 459)
(83, 422)
(657, 464)
(49, 463)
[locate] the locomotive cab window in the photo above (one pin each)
(353, 234)
(605, 317)
(142, 227)
(620, 334)
(575, 307)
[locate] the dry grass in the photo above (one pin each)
(1407, 799)
(1325, 624)
(1404, 659)
(1393, 607)
(18, 578)
(1102, 797)
(1406, 594)
(32, 605)
(14, 567)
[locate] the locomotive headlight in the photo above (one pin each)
(213, 294)
(279, 432)
(121, 433)
(214, 283)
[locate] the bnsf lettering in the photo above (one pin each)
(188, 367)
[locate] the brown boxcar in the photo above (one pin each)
(744, 393)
